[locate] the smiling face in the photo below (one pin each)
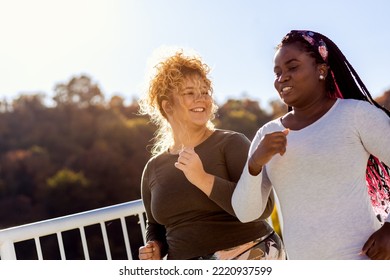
(193, 103)
(297, 76)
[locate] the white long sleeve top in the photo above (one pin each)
(321, 181)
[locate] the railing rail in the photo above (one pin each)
(10, 236)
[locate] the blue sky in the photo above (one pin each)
(45, 42)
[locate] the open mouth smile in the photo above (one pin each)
(198, 110)
(285, 89)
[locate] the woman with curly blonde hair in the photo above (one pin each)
(168, 81)
(188, 183)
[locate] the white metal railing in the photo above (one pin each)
(33, 231)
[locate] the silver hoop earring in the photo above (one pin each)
(322, 77)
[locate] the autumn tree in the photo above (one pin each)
(384, 99)
(80, 91)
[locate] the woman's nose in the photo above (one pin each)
(282, 77)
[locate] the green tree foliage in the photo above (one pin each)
(66, 192)
(244, 116)
(105, 143)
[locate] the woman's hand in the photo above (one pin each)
(151, 251)
(270, 145)
(377, 247)
(192, 167)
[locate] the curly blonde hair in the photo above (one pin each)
(167, 82)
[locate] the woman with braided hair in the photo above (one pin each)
(327, 158)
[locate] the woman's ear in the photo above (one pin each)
(167, 107)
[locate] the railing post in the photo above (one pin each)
(7, 251)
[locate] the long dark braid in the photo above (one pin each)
(344, 82)
(348, 80)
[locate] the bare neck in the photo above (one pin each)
(189, 138)
(300, 117)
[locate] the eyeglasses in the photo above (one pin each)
(192, 96)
